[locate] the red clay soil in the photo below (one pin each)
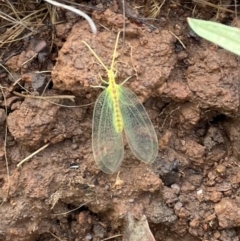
(190, 193)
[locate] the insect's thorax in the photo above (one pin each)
(114, 93)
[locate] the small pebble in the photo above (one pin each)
(215, 196)
(176, 188)
(217, 235)
(178, 206)
(88, 237)
(39, 82)
(99, 231)
(40, 45)
(199, 192)
(194, 223)
(74, 146)
(221, 169)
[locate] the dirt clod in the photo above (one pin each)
(228, 213)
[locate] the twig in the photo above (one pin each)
(25, 62)
(84, 15)
(33, 154)
(6, 70)
(46, 98)
(71, 106)
(204, 2)
(56, 237)
(5, 143)
(70, 97)
(72, 209)
(163, 124)
(115, 236)
(177, 38)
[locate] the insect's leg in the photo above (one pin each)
(99, 86)
(104, 81)
(116, 72)
(125, 80)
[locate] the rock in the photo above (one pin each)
(195, 152)
(189, 115)
(160, 213)
(213, 138)
(215, 196)
(99, 230)
(33, 123)
(228, 213)
(137, 229)
(214, 86)
(232, 127)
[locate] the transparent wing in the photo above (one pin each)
(138, 128)
(107, 144)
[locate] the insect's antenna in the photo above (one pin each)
(115, 50)
(99, 60)
(124, 23)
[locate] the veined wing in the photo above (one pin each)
(138, 128)
(107, 144)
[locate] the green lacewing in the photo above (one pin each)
(119, 110)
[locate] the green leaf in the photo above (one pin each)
(224, 36)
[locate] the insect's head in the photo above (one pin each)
(111, 75)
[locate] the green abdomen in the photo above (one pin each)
(117, 118)
(117, 115)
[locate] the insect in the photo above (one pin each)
(119, 110)
(225, 36)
